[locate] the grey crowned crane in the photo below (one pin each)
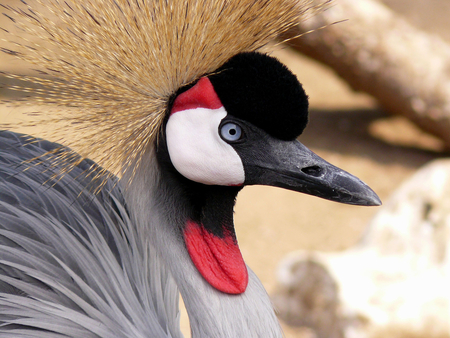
(181, 110)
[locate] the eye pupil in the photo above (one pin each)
(230, 132)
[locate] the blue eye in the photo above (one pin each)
(231, 132)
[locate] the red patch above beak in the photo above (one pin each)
(201, 95)
(218, 260)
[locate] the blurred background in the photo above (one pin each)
(347, 129)
(350, 130)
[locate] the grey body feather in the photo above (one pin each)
(81, 265)
(71, 262)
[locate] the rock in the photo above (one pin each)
(308, 297)
(397, 277)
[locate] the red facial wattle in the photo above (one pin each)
(218, 259)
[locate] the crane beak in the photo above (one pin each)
(291, 165)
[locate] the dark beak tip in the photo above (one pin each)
(370, 198)
(376, 202)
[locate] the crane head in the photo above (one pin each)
(239, 126)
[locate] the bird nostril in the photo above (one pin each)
(313, 171)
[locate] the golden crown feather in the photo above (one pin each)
(110, 67)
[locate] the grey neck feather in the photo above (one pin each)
(211, 313)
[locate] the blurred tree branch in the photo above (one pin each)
(380, 53)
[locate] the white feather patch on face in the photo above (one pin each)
(198, 152)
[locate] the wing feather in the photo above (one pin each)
(71, 262)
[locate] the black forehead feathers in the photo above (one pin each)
(261, 90)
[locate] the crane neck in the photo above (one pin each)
(161, 204)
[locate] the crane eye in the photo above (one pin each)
(231, 132)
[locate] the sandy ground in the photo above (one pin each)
(348, 130)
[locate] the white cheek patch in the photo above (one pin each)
(197, 151)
